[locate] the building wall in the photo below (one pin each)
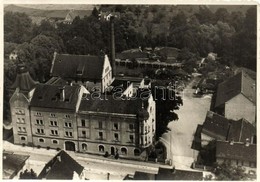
(240, 107)
(107, 74)
(20, 115)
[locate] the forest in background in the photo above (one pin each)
(230, 34)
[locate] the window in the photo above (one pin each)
(100, 135)
(53, 123)
(83, 122)
(23, 138)
(20, 111)
(18, 120)
(100, 124)
(136, 152)
(41, 140)
(54, 132)
(131, 126)
(40, 131)
(68, 124)
(145, 129)
(116, 136)
(22, 129)
(39, 122)
(116, 126)
(101, 148)
(53, 115)
(54, 141)
(84, 146)
(131, 138)
(23, 120)
(67, 116)
(38, 114)
(68, 134)
(124, 151)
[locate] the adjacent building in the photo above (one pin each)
(62, 167)
(236, 98)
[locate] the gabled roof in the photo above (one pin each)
(23, 79)
(62, 166)
(237, 151)
(109, 104)
(49, 96)
(222, 128)
(176, 174)
(216, 126)
(240, 83)
(12, 163)
(78, 66)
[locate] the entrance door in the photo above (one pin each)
(112, 150)
(70, 146)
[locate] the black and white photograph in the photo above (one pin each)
(129, 91)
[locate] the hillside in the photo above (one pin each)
(45, 13)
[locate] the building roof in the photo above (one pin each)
(169, 51)
(241, 130)
(176, 174)
(23, 79)
(78, 66)
(12, 164)
(132, 55)
(216, 126)
(240, 83)
(143, 176)
(49, 96)
(237, 151)
(109, 104)
(62, 166)
(221, 128)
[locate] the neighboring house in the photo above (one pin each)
(13, 164)
(70, 17)
(93, 72)
(13, 55)
(169, 174)
(217, 127)
(62, 167)
(236, 154)
(236, 98)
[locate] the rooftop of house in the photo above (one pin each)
(176, 174)
(23, 79)
(240, 83)
(124, 84)
(221, 128)
(132, 55)
(236, 151)
(109, 104)
(62, 166)
(169, 51)
(12, 163)
(77, 66)
(51, 96)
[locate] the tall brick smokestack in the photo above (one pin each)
(113, 63)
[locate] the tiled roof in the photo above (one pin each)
(237, 151)
(176, 174)
(48, 96)
(222, 128)
(143, 176)
(23, 80)
(62, 166)
(216, 126)
(78, 66)
(12, 163)
(240, 83)
(110, 105)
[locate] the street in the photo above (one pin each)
(192, 113)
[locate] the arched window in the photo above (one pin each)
(84, 146)
(41, 140)
(54, 141)
(136, 152)
(23, 138)
(101, 148)
(124, 151)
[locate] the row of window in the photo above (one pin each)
(53, 115)
(41, 140)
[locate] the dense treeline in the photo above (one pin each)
(232, 35)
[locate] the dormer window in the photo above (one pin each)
(79, 72)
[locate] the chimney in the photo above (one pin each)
(59, 158)
(247, 142)
(62, 93)
(113, 64)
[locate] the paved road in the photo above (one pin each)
(192, 113)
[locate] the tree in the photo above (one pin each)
(227, 172)
(222, 15)
(28, 174)
(95, 13)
